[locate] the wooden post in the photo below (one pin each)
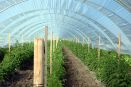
(83, 42)
(53, 42)
(91, 45)
(119, 46)
(76, 39)
(57, 41)
(46, 49)
(88, 44)
(39, 63)
(22, 40)
(9, 41)
(99, 48)
(51, 54)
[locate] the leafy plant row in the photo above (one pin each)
(3, 51)
(20, 54)
(55, 79)
(13, 60)
(109, 69)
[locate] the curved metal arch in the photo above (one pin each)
(94, 5)
(14, 4)
(110, 14)
(124, 36)
(45, 22)
(34, 26)
(32, 23)
(73, 34)
(37, 29)
(67, 23)
(115, 26)
(69, 33)
(22, 21)
(63, 23)
(13, 32)
(109, 40)
(78, 32)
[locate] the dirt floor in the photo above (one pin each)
(78, 75)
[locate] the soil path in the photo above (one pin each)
(77, 73)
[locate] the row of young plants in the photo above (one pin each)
(56, 78)
(111, 70)
(13, 60)
(20, 54)
(3, 51)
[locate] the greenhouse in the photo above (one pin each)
(65, 43)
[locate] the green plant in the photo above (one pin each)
(14, 59)
(107, 67)
(55, 79)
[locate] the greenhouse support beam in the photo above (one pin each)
(51, 43)
(119, 46)
(9, 42)
(46, 49)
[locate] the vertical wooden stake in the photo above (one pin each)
(91, 45)
(46, 49)
(119, 46)
(99, 48)
(77, 40)
(38, 63)
(88, 44)
(51, 54)
(22, 40)
(57, 41)
(9, 41)
(53, 42)
(83, 42)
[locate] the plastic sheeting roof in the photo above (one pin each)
(68, 19)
